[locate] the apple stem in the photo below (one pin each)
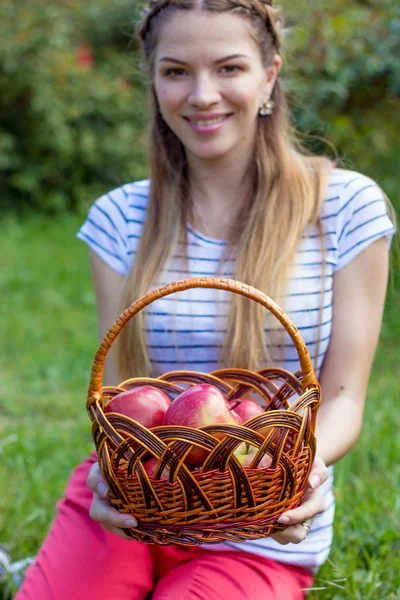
(237, 404)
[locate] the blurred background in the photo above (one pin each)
(73, 125)
(73, 100)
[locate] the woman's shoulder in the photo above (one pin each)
(128, 198)
(349, 190)
(136, 190)
(121, 207)
(114, 224)
(344, 182)
(354, 213)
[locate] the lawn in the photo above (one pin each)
(49, 337)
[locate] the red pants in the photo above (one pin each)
(79, 560)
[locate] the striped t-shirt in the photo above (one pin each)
(187, 330)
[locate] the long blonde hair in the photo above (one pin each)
(287, 193)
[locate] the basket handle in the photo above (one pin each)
(219, 283)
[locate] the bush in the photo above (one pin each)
(73, 102)
(344, 80)
(73, 118)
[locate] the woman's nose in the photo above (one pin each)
(204, 92)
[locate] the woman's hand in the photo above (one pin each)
(312, 503)
(101, 510)
(299, 519)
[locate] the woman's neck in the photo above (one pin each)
(217, 195)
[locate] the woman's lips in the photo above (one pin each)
(207, 124)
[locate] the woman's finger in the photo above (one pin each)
(102, 511)
(280, 539)
(313, 504)
(318, 475)
(117, 531)
(294, 534)
(96, 482)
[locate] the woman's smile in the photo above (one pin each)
(207, 123)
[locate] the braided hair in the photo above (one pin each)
(261, 12)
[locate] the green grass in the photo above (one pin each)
(49, 337)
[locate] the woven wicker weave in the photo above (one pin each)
(222, 500)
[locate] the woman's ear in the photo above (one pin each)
(272, 72)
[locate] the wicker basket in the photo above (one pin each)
(222, 500)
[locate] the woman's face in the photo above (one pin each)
(210, 81)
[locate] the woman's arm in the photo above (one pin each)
(108, 287)
(359, 291)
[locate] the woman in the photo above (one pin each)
(231, 193)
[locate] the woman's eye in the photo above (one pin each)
(174, 72)
(231, 69)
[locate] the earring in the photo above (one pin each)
(267, 108)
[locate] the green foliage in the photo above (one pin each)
(344, 80)
(73, 107)
(72, 112)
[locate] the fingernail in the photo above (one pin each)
(314, 481)
(284, 519)
(131, 523)
(102, 488)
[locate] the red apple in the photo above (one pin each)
(151, 465)
(199, 405)
(247, 409)
(145, 404)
